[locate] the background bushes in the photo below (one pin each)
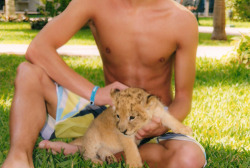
(240, 8)
(53, 7)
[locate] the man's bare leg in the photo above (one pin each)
(167, 154)
(172, 154)
(35, 94)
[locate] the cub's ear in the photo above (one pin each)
(114, 93)
(151, 99)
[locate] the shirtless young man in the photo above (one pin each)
(140, 42)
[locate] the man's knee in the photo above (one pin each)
(28, 74)
(189, 156)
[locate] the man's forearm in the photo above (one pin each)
(180, 108)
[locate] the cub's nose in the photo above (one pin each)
(124, 132)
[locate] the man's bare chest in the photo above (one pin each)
(143, 35)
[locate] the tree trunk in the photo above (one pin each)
(219, 21)
(9, 8)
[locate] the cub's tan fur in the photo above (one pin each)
(114, 129)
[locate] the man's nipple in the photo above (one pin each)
(108, 51)
(162, 59)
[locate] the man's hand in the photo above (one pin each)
(103, 94)
(152, 129)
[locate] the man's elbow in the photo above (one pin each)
(31, 53)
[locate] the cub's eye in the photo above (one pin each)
(131, 117)
(117, 116)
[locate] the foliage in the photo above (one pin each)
(240, 9)
(14, 18)
(219, 116)
(241, 51)
(53, 7)
(38, 24)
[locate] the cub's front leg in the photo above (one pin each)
(132, 155)
(155, 108)
(171, 122)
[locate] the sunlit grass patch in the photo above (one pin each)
(220, 112)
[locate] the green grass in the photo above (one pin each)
(219, 117)
(20, 33)
(205, 40)
(208, 21)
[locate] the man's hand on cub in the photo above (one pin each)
(103, 94)
(152, 129)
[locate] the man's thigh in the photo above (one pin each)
(167, 152)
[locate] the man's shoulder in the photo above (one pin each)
(178, 15)
(183, 16)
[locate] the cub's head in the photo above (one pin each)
(129, 109)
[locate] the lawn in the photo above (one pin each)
(219, 116)
(208, 21)
(21, 33)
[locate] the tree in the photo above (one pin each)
(9, 8)
(219, 21)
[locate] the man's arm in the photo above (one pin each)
(42, 50)
(187, 41)
(185, 68)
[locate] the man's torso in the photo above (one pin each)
(138, 44)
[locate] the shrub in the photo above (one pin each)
(38, 24)
(241, 51)
(53, 7)
(14, 18)
(240, 9)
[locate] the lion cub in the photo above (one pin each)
(114, 130)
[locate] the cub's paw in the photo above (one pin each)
(186, 131)
(110, 159)
(135, 165)
(97, 161)
(183, 130)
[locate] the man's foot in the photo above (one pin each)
(57, 147)
(17, 160)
